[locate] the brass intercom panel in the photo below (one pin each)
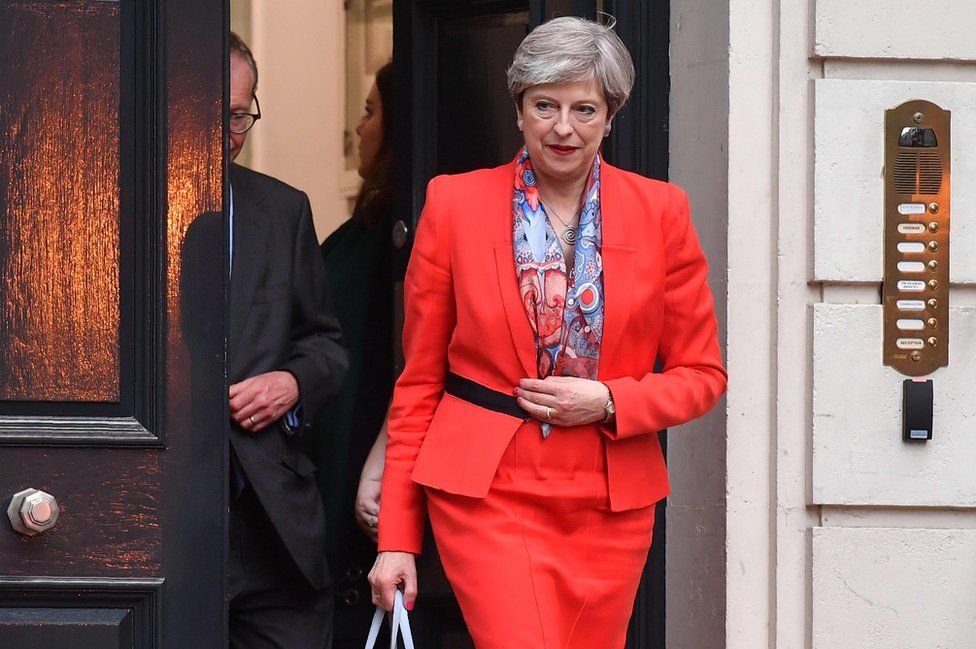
(915, 291)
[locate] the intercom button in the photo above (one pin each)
(911, 286)
(911, 228)
(910, 343)
(910, 305)
(910, 324)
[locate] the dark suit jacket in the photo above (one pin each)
(281, 318)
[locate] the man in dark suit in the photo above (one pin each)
(284, 361)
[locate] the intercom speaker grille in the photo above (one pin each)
(918, 172)
(929, 172)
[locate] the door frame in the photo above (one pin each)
(639, 142)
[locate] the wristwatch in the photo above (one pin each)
(609, 411)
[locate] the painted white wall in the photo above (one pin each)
(892, 587)
(299, 140)
(696, 534)
(837, 534)
(859, 457)
(897, 29)
(849, 199)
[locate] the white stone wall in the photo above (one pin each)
(837, 533)
(696, 529)
(892, 559)
(849, 187)
(892, 587)
(301, 56)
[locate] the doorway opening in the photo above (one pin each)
(452, 114)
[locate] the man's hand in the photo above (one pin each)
(261, 400)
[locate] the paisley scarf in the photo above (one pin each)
(564, 309)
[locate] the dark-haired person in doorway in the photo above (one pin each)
(539, 297)
(284, 361)
(359, 261)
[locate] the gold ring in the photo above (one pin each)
(251, 419)
(548, 412)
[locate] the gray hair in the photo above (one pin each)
(570, 49)
(240, 48)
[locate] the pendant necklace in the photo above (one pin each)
(569, 232)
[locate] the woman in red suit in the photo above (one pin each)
(538, 298)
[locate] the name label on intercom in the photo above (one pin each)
(915, 291)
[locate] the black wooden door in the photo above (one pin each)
(112, 397)
(454, 114)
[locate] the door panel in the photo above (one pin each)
(112, 388)
(448, 67)
(59, 339)
(96, 490)
(639, 142)
(453, 114)
(122, 614)
(473, 53)
(54, 628)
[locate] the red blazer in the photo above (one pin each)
(463, 312)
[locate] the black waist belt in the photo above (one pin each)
(479, 395)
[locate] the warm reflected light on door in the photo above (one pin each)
(59, 202)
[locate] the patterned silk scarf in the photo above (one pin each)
(565, 310)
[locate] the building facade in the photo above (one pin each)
(811, 522)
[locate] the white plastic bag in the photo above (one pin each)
(399, 625)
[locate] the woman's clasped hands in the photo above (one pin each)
(564, 400)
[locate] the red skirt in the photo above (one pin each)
(542, 562)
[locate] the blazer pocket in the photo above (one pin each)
(267, 294)
(298, 463)
(463, 446)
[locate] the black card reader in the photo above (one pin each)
(917, 410)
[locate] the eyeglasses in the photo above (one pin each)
(242, 122)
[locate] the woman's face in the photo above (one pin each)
(563, 125)
(370, 132)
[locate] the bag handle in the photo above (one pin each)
(399, 624)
